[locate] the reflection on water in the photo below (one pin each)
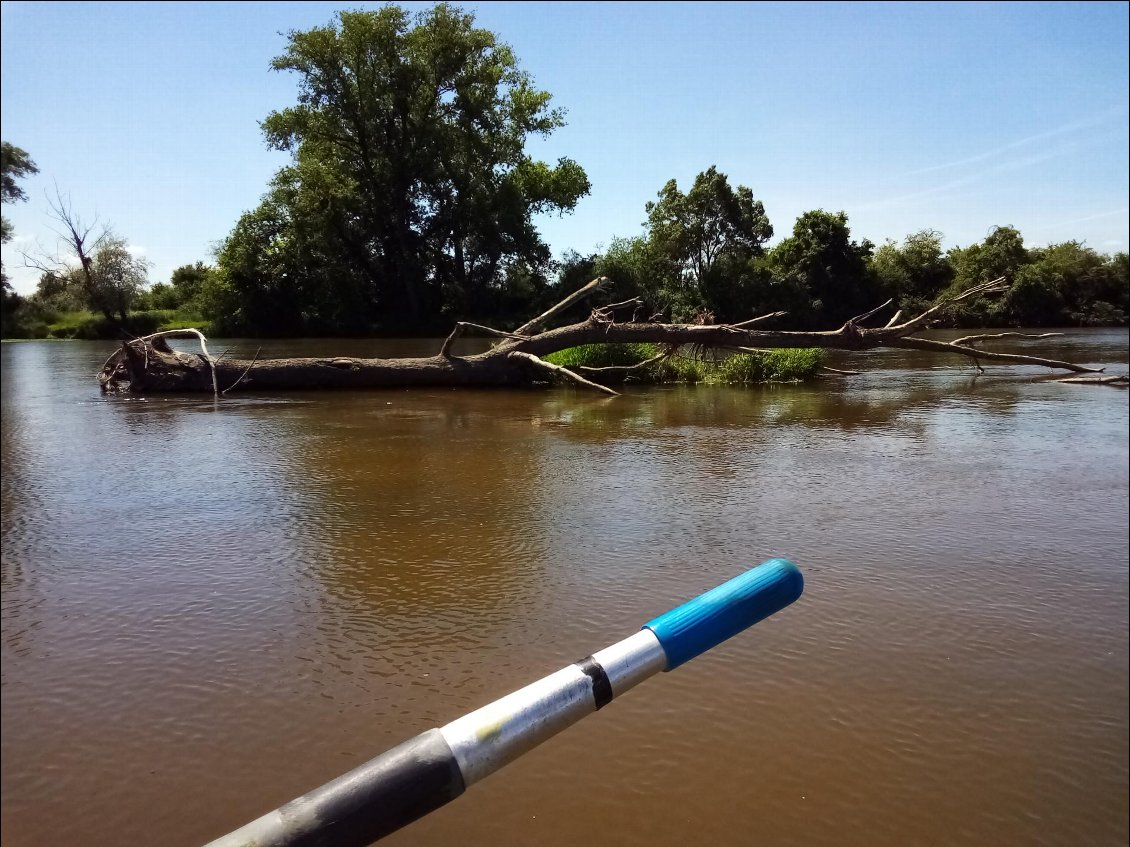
(209, 608)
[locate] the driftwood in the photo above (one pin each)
(148, 364)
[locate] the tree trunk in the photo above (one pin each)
(149, 365)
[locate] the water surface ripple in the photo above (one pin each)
(209, 609)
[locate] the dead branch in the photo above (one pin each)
(758, 319)
(560, 371)
(530, 327)
(950, 347)
(634, 302)
(243, 375)
(1121, 380)
(445, 350)
(666, 354)
(993, 286)
(976, 339)
(858, 319)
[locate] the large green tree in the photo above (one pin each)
(913, 272)
(410, 187)
(1068, 283)
(706, 238)
(15, 164)
(821, 259)
(1001, 254)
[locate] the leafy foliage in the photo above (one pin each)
(410, 191)
(915, 272)
(701, 244)
(821, 263)
(15, 164)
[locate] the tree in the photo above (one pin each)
(1000, 255)
(15, 164)
(97, 264)
(915, 272)
(639, 270)
(820, 258)
(707, 236)
(1090, 288)
(188, 281)
(410, 185)
(119, 276)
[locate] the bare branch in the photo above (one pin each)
(949, 347)
(975, 339)
(612, 307)
(529, 327)
(1120, 381)
(858, 319)
(894, 319)
(758, 319)
(560, 371)
(445, 350)
(246, 371)
(644, 363)
(993, 286)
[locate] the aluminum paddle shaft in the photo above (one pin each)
(435, 767)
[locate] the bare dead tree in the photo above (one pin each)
(150, 365)
(80, 242)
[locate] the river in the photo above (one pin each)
(211, 607)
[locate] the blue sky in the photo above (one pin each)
(950, 116)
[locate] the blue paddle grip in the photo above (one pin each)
(722, 612)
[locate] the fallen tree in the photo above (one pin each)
(149, 365)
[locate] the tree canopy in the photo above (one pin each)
(15, 164)
(410, 189)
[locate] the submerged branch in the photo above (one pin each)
(1012, 358)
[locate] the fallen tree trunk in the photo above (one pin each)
(148, 365)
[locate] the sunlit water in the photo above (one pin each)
(210, 608)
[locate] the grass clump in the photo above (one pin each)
(741, 368)
(603, 355)
(771, 366)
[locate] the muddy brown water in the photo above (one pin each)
(209, 609)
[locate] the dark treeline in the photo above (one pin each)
(409, 199)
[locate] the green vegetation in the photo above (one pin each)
(88, 326)
(15, 164)
(741, 368)
(409, 202)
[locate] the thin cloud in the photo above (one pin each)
(1003, 167)
(1095, 217)
(1067, 128)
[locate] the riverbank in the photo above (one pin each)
(88, 326)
